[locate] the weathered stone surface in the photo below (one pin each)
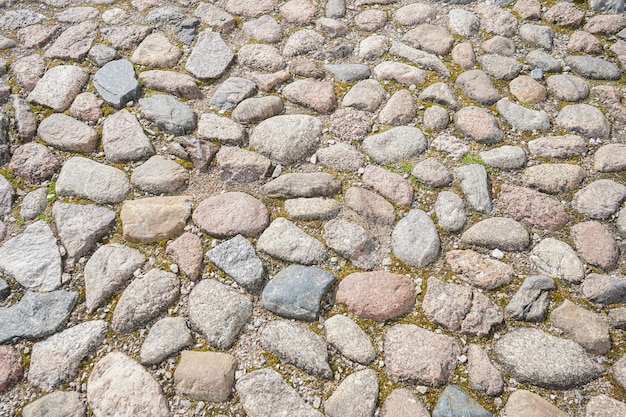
(593, 68)
(168, 114)
(205, 376)
(57, 404)
(345, 335)
(483, 375)
(531, 301)
(231, 92)
(116, 83)
(159, 176)
(123, 138)
(480, 271)
(595, 244)
(554, 178)
(356, 396)
(420, 58)
(167, 336)
(120, 386)
(377, 295)
(294, 185)
(264, 29)
(156, 51)
(302, 42)
(341, 156)
(475, 185)
(34, 203)
(366, 95)
(477, 86)
(218, 312)
(230, 214)
(371, 206)
(538, 358)
(74, 42)
(505, 157)
(415, 240)
(585, 120)
(610, 158)
(568, 87)
(153, 219)
(238, 259)
(604, 289)
(210, 57)
(478, 125)
(215, 17)
(284, 240)
(82, 177)
(450, 211)
(497, 232)
(395, 145)
(239, 165)
(221, 129)
(586, 328)
(287, 139)
(558, 146)
(399, 72)
(604, 406)
(500, 67)
(521, 118)
(521, 401)
(352, 242)
(399, 110)
(313, 94)
(296, 344)
(390, 185)
(10, 367)
(565, 14)
(125, 37)
(557, 259)
(430, 38)
(599, 199)
(257, 109)
(440, 93)
(454, 401)
(527, 90)
(86, 108)
(68, 134)
(532, 208)
(187, 252)
(180, 85)
(403, 403)
(312, 208)
(432, 172)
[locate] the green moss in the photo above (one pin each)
(470, 159)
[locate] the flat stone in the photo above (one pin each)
(302, 185)
(554, 178)
(36, 35)
(403, 403)
(500, 67)
(349, 124)
(605, 24)
(352, 242)
(563, 147)
(566, 87)
(7, 194)
(34, 203)
(215, 17)
(56, 360)
(395, 145)
(119, 383)
(355, 396)
(557, 259)
(610, 158)
(264, 29)
(296, 292)
(166, 337)
(86, 108)
(585, 42)
(169, 114)
(477, 124)
(237, 258)
(497, 20)
(432, 173)
(450, 211)
(399, 72)
(521, 118)
(314, 208)
(285, 241)
(464, 55)
(25, 120)
(265, 393)
(541, 60)
(36, 315)
(125, 37)
(74, 42)
(537, 35)
(81, 226)
(483, 375)
(521, 401)
(593, 68)
(257, 109)
(440, 93)
(152, 219)
(187, 252)
(463, 22)
(11, 367)
(477, 86)
(371, 20)
(377, 295)
(475, 185)
(100, 54)
(419, 356)
(538, 358)
(586, 328)
(180, 85)
(15, 19)
(499, 45)
(505, 157)
(287, 139)
(261, 57)
(123, 138)
(532, 208)
(159, 176)
(205, 376)
(585, 120)
(210, 57)
(373, 47)
(221, 129)
(239, 165)
(365, 95)
(599, 199)
(57, 404)
(68, 134)
(371, 206)
(478, 270)
(604, 406)
(527, 90)
(165, 15)
(341, 156)
(390, 185)
(32, 258)
(59, 86)
(617, 317)
(565, 14)
(497, 232)
(156, 51)
(454, 402)
(430, 38)
(415, 240)
(604, 289)
(230, 214)
(399, 110)
(297, 345)
(436, 118)
(218, 312)
(347, 337)
(116, 83)
(302, 42)
(596, 244)
(422, 59)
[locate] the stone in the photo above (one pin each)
(123, 138)
(156, 51)
(7, 194)
(477, 86)
(316, 95)
(34, 204)
(68, 134)
(483, 375)
(125, 37)
(604, 289)
(416, 355)
(169, 114)
(116, 83)
(399, 110)
(475, 185)
(86, 108)
(74, 42)
(403, 403)
(37, 35)
(257, 109)
(392, 186)
(56, 360)
(499, 45)
(302, 42)
(186, 251)
(604, 406)
(565, 14)
(365, 95)
(477, 124)
(36, 315)
(57, 404)
(205, 376)
(264, 393)
(463, 22)
(297, 345)
(585, 42)
(557, 259)
(159, 176)
(119, 383)
(165, 15)
(263, 29)
(261, 57)
(593, 68)
(610, 158)
(479, 271)
(463, 54)
(611, 100)
(218, 312)
(415, 240)
(538, 358)
(595, 244)
(532, 208)
(81, 226)
(210, 57)
(355, 396)
(353, 242)
(82, 177)
(349, 124)
(180, 85)
(554, 178)
(153, 219)
(212, 127)
(521, 118)
(58, 87)
(497, 20)
(377, 295)
(541, 60)
(347, 337)
(144, 299)
(371, 20)
(450, 146)
(231, 213)
(341, 156)
(373, 47)
(497, 232)
(563, 147)
(11, 367)
(521, 401)
(450, 211)
(285, 241)
(605, 24)
(430, 38)
(297, 291)
(422, 59)
(527, 90)
(32, 258)
(25, 121)
(505, 157)
(607, 6)
(537, 35)
(500, 67)
(440, 93)
(399, 72)
(287, 139)
(215, 17)
(395, 145)
(454, 401)
(586, 328)
(314, 208)
(239, 165)
(599, 199)
(237, 258)
(585, 120)
(436, 118)
(348, 73)
(432, 173)
(617, 317)
(335, 8)
(15, 19)
(166, 337)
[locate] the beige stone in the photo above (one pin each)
(205, 376)
(155, 218)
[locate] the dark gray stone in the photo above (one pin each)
(100, 54)
(238, 259)
(604, 289)
(232, 92)
(116, 83)
(297, 291)
(531, 301)
(348, 73)
(169, 114)
(187, 30)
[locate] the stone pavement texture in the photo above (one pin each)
(343, 208)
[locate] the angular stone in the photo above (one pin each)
(168, 114)
(167, 336)
(215, 17)
(153, 219)
(563, 147)
(237, 258)
(10, 367)
(159, 176)
(390, 185)
(316, 95)
(440, 93)
(232, 92)
(527, 90)
(24, 119)
(205, 376)
(315, 208)
(210, 57)
(532, 208)
(420, 58)
(475, 185)
(287, 139)
(483, 375)
(604, 406)
(554, 178)
(239, 165)
(86, 108)
(123, 138)
(432, 173)
(186, 251)
(555, 258)
(415, 240)
(403, 403)
(74, 42)
(116, 83)
(430, 38)
(347, 337)
(293, 185)
(156, 51)
(221, 129)
(285, 241)
(586, 328)
(480, 271)
(477, 86)
(521, 118)
(565, 14)
(352, 242)
(125, 37)
(596, 244)
(497, 232)
(232, 213)
(521, 401)
(264, 29)
(399, 110)
(599, 199)
(59, 86)
(454, 401)
(180, 85)
(257, 109)
(370, 206)
(399, 72)
(478, 125)
(119, 383)
(82, 177)
(377, 295)
(57, 404)
(395, 145)
(356, 396)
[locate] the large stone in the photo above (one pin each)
(347, 337)
(604, 289)
(74, 42)
(604, 406)
(421, 58)
(205, 376)
(610, 158)
(599, 199)
(352, 242)
(315, 208)
(313, 94)
(57, 404)
(123, 138)
(483, 375)
(596, 244)
(237, 258)
(478, 270)
(477, 86)
(403, 403)
(210, 57)
(593, 68)
(84, 178)
(415, 240)
(118, 386)
(166, 337)
(153, 219)
(287, 139)
(356, 396)
(169, 114)
(232, 91)
(563, 147)
(479, 125)
(294, 185)
(432, 172)
(32, 258)
(180, 85)
(257, 109)
(505, 157)
(430, 38)
(554, 178)
(221, 129)
(395, 145)
(450, 211)
(67, 134)
(557, 259)
(584, 119)
(286, 241)
(156, 51)
(538, 358)
(371, 206)
(366, 95)
(532, 208)
(116, 83)
(498, 232)
(585, 327)
(230, 214)
(475, 186)
(455, 402)
(388, 184)
(521, 118)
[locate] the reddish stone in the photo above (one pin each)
(595, 244)
(388, 184)
(377, 295)
(230, 214)
(10, 367)
(186, 251)
(532, 208)
(479, 270)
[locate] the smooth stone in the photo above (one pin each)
(477, 86)
(596, 244)
(538, 358)
(419, 356)
(440, 93)
(237, 258)
(263, 29)
(156, 51)
(521, 401)
(505, 157)
(152, 219)
(478, 270)
(36, 315)
(421, 58)
(232, 91)
(499, 45)
(403, 403)
(484, 377)
(475, 185)
(415, 240)
(455, 402)
(297, 345)
(430, 38)
(376, 295)
(356, 396)
(521, 118)
(497, 232)
(371, 20)
(218, 312)
(585, 327)
(566, 87)
(341, 156)
(593, 68)
(159, 176)
(348, 73)
(432, 173)
(34, 204)
(297, 291)
(436, 118)
(563, 147)
(239, 165)
(166, 337)
(540, 60)
(610, 158)
(125, 37)
(119, 383)
(390, 185)
(205, 376)
(294, 185)
(399, 72)
(315, 208)
(450, 211)
(56, 360)
(604, 406)
(67, 134)
(223, 130)
(557, 259)
(57, 404)
(604, 289)
(373, 47)
(554, 178)
(210, 57)
(123, 138)
(528, 90)
(302, 42)
(365, 95)
(32, 258)
(186, 251)
(257, 109)
(287, 139)
(349, 339)
(107, 271)
(286, 241)
(395, 145)
(532, 208)
(399, 110)
(537, 35)
(230, 214)
(531, 301)
(215, 17)
(116, 83)
(370, 206)
(84, 178)
(479, 125)
(585, 120)
(600, 199)
(180, 85)
(463, 22)
(464, 55)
